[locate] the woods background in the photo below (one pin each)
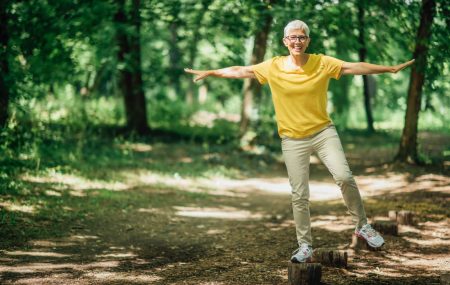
(115, 168)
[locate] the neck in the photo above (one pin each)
(300, 59)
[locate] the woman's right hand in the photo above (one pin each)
(200, 73)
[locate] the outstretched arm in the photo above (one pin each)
(363, 68)
(228, 72)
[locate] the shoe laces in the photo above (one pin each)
(369, 230)
(302, 247)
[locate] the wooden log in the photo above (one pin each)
(393, 215)
(405, 218)
(358, 243)
(304, 273)
(402, 217)
(330, 257)
(445, 278)
(386, 227)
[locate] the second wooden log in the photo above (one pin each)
(386, 227)
(330, 257)
(402, 217)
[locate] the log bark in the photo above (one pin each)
(359, 243)
(392, 215)
(386, 227)
(445, 279)
(402, 217)
(304, 273)
(330, 257)
(405, 218)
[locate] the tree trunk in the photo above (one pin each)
(4, 67)
(193, 48)
(175, 57)
(408, 143)
(130, 81)
(174, 50)
(340, 88)
(140, 116)
(251, 87)
(362, 57)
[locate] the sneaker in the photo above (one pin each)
(302, 254)
(371, 236)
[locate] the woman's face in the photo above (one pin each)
(296, 41)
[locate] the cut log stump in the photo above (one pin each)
(402, 217)
(330, 257)
(393, 215)
(405, 218)
(359, 243)
(445, 278)
(304, 273)
(386, 227)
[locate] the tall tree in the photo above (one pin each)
(408, 143)
(4, 66)
(129, 56)
(175, 69)
(341, 17)
(362, 57)
(193, 45)
(251, 87)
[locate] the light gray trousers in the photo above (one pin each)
(327, 145)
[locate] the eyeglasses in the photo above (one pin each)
(293, 39)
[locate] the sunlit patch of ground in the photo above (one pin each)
(217, 213)
(14, 207)
(72, 182)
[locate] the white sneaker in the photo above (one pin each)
(302, 254)
(372, 237)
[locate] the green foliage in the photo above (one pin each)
(63, 57)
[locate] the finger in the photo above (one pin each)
(188, 70)
(203, 75)
(199, 78)
(410, 62)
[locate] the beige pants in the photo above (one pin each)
(327, 145)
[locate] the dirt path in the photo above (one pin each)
(239, 231)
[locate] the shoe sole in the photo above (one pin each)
(307, 260)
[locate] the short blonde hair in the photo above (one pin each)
(296, 25)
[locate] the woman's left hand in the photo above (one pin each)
(397, 68)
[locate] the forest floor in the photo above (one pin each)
(179, 213)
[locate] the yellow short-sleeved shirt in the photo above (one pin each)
(299, 97)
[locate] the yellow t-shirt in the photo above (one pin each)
(299, 97)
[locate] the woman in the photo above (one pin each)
(299, 84)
